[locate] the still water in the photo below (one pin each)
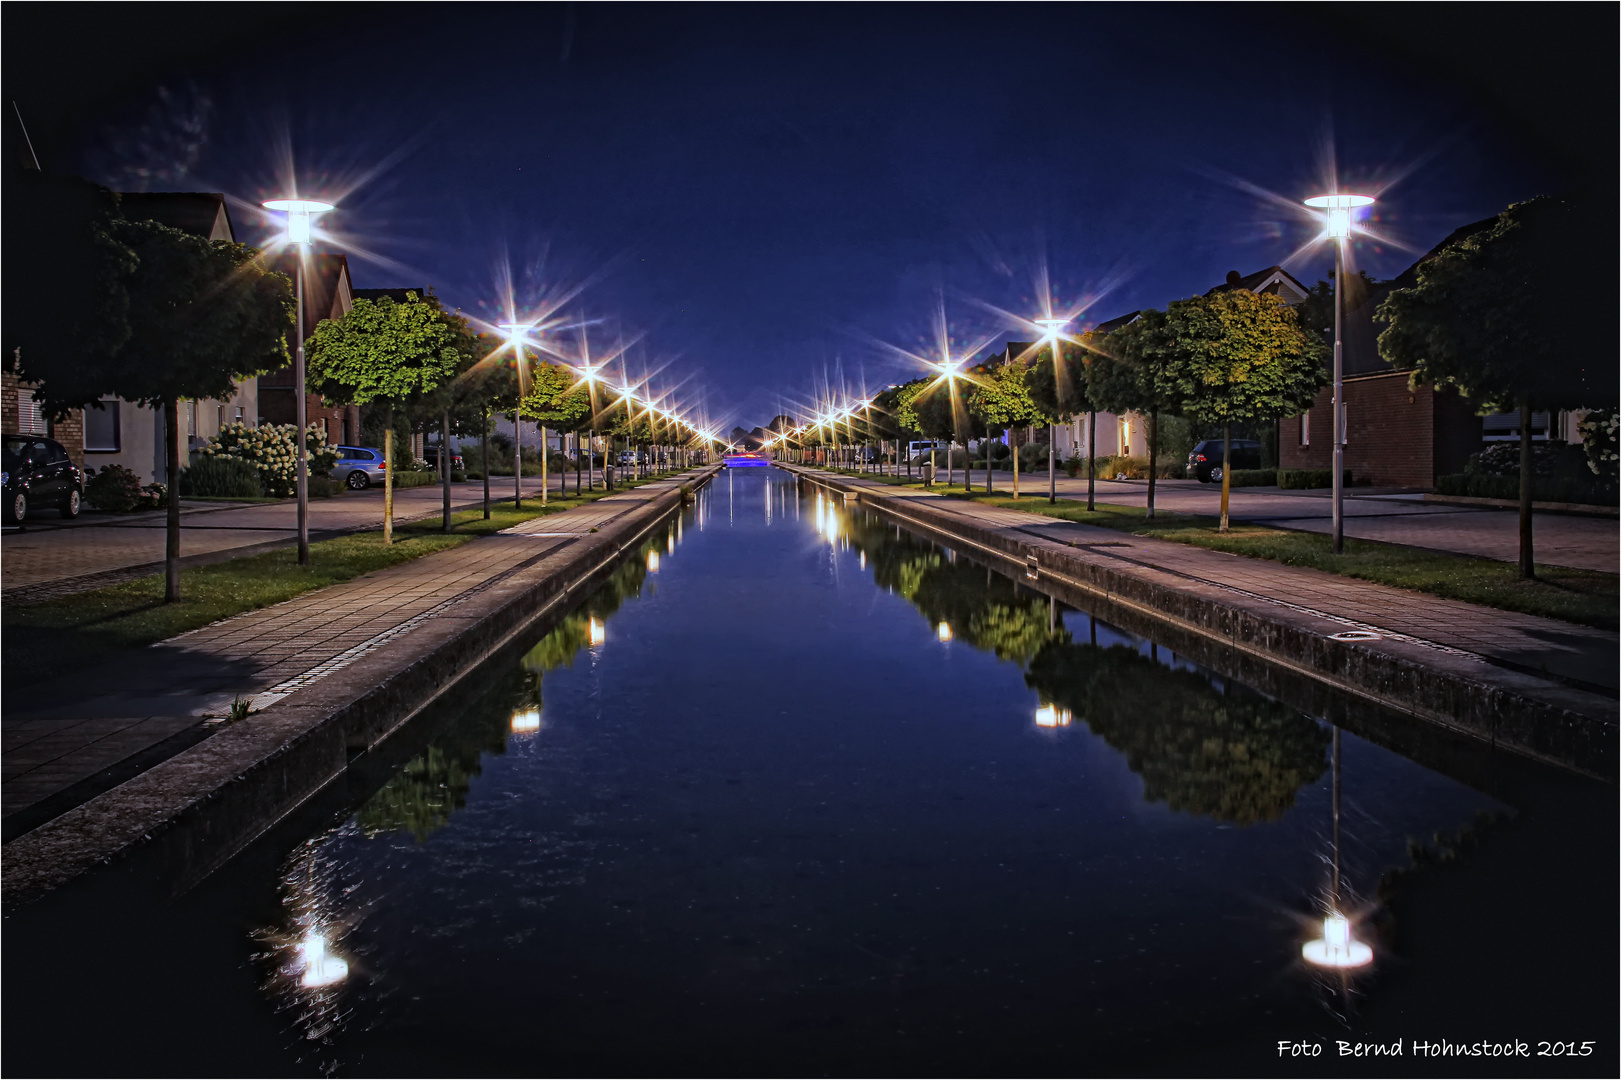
(800, 793)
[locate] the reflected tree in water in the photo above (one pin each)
(423, 795)
(983, 609)
(1225, 753)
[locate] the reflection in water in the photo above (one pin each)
(321, 966)
(1336, 948)
(1199, 747)
(525, 721)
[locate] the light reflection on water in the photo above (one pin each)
(781, 815)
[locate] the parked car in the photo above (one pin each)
(38, 473)
(430, 454)
(1205, 461)
(359, 467)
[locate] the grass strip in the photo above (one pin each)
(1587, 597)
(74, 632)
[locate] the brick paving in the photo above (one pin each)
(1390, 516)
(51, 557)
(1580, 655)
(59, 735)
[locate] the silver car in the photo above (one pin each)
(359, 466)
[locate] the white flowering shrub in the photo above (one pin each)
(1598, 430)
(273, 450)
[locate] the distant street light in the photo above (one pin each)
(1054, 331)
(298, 213)
(1338, 229)
(516, 333)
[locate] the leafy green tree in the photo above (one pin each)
(1239, 356)
(1001, 398)
(388, 351)
(1137, 371)
(202, 314)
(1515, 316)
(926, 405)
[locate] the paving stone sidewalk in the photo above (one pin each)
(67, 739)
(1578, 655)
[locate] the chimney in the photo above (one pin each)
(1233, 278)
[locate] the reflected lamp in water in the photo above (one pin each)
(1336, 948)
(943, 631)
(1052, 716)
(525, 721)
(599, 633)
(652, 562)
(321, 967)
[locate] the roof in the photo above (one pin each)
(1274, 281)
(201, 213)
(1111, 325)
(396, 295)
(327, 293)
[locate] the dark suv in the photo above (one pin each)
(1205, 461)
(430, 454)
(38, 473)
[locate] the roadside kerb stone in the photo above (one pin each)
(1539, 718)
(212, 800)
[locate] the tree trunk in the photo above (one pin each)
(171, 540)
(1015, 441)
(444, 465)
(1091, 458)
(545, 463)
(1226, 471)
(1052, 467)
(388, 477)
(1153, 459)
(484, 446)
(576, 464)
(1528, 568)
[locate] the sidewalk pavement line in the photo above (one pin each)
(355, 652)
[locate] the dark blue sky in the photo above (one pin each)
(766, 193)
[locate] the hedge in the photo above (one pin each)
(415, 479)
(1543, 489)
(222, 477)
(1254, 477)
(1309, 478)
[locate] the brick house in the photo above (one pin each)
(328, 294)
(1396, 435)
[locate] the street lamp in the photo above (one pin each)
(1053, 332)
(298, 213)
(516, 332)
(1338, 229)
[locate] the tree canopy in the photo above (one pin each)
(1061, 391)
(383, 350)
(1241, 356)
(1515, 314)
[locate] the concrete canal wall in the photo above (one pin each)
(1505, 709)
(208, 802)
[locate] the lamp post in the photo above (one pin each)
(1338, 229)
(515, 335)
(298, 213)
(1054, 331)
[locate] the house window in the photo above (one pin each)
(1505, 426)
(30, 421)
(1305, 429)
(324, 432)
(219, 418)
(241, 415)
(101, 430)
(191, 418)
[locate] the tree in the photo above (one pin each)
(202, 314)
(1136, 371)
(1001, 398)
(1517, 315)
(557, 399)
(1238, 356)
(926, 406)
(385, 351)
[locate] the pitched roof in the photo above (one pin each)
(327, 293)
(201, 213)
(1274, 280)
(1109, 326)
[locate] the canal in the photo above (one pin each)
(800, 793)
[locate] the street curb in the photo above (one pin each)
(209, 802)
(1527, 715)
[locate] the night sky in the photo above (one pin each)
(767, 197)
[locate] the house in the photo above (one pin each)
(328, 294)
(1396, 435)
(123, 433)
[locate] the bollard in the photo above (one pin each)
(928, 474)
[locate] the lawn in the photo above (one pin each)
(47, 639)
(1579, 596)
